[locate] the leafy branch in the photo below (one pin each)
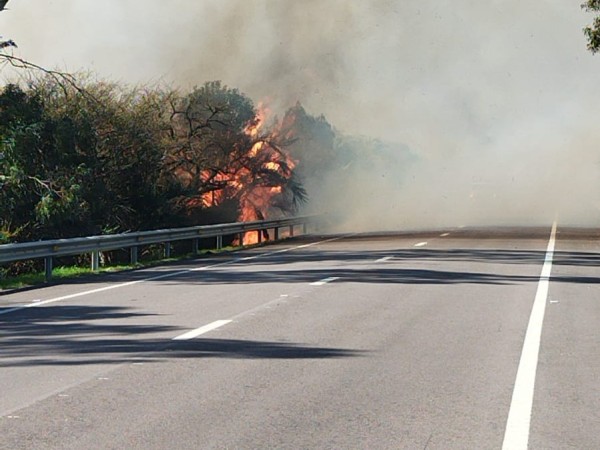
(592, 31)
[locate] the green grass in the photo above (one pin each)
(67, 272)
(32, 279)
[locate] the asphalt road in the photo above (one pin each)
(404, 341)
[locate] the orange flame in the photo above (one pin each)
(255, 198)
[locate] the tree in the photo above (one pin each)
(310, 141)
(41, 169)
(593, 31)
(207, 130)
(74, 166)
(127, 154)
(224, 160)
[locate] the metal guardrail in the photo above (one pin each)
(96, 244)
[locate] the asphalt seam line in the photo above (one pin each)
(516, 436)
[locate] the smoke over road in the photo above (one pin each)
(497, 101)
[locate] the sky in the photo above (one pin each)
(498, 98)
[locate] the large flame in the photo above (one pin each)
(250, 180)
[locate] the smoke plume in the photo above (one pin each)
(486, 111)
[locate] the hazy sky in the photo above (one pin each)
(495, 90)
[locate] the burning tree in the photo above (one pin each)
(311, 142)
(226, 156)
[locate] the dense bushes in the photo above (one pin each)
(100, 158)
(107, 158)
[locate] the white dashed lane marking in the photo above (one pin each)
(198, 331)
(38, 302)
(324, 281)
(384, 259)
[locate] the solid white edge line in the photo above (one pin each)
(198, 331)
(92, 291)
(158, 277)
(516, 436)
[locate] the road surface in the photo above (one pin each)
(386, 341)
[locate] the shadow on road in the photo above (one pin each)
(401, 267)
(83, 335)
(363, 267)
(485, 256)
(376, 275)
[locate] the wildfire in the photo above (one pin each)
(254, 126)
(254, 179)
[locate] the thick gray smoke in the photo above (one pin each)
(498, 100)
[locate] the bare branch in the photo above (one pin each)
(63, 79)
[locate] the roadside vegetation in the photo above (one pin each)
(92, 157)
(82, 156)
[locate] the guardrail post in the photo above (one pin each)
(291, 230)
(259, 232)
(276, 233)
(167, 250)
(195, 245)
(304, 227)
(219, 242)
(48, 268)
(95, 260)
(133, 252)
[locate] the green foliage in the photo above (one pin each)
(94, 157)
(592, 31)
(39, 186)
(74, 167)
